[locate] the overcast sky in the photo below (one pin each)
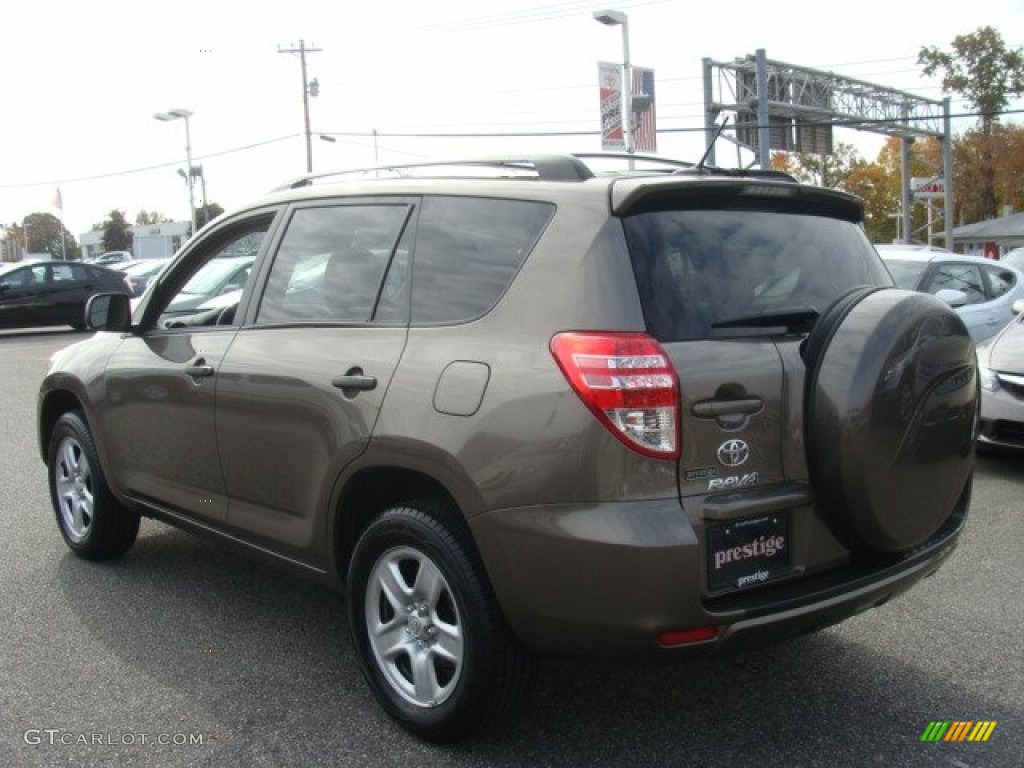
(82, 80)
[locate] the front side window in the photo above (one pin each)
(206, 288)
(958, 277)
(331, 266)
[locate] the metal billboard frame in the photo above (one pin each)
(792, 108)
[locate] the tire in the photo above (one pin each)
(890, 405)
(94, 524)
(428, 633)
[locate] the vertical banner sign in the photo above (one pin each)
(645, 131)
(610, 81)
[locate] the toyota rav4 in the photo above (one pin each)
(518, 406)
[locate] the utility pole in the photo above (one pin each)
(308, 89)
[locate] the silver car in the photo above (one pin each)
(1001, 369)
(981, 291)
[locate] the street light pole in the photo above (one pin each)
(619, 19)
(184, 114)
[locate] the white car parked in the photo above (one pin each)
(981, 291)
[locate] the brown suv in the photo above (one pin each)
(517, 406)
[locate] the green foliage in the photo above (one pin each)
(117, 235)
(207, 213)
(979, 68)
(142, 218)
(41, 233)
(983, 71)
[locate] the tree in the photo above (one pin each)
(42, 233)
(822, 170)
(142, 218)
(116, 232)
(983, 71)
(208, 212)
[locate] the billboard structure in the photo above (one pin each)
(783, 107)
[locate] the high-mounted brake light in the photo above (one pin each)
(629, 383)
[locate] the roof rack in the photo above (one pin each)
(669, 164)
(543, 167)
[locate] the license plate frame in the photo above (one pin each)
(747, 553)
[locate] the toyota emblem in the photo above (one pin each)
(733, 453)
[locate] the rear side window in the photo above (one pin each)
(1000, 281)
(468, 250)
(68, 273)
(696, 268)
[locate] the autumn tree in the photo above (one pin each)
(117, 234)
(986, 74)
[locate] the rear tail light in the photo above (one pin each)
(627, 380)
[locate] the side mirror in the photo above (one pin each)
(109, 312)
(952, 297)
(1018, 307)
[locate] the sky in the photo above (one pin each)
(82, 82)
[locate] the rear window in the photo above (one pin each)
(701, 267)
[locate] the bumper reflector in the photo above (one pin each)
(673, 637)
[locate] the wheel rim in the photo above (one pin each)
(73, 481)
(414, 627)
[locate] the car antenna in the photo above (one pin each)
(711, 145)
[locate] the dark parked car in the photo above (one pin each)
(52, 292)
(1001, 368)
(515, 407)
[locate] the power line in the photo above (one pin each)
(146, 169)
(452, 135)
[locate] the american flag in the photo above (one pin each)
(645, 138)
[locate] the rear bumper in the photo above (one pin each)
(604, 580)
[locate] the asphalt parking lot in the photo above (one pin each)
(185, 654)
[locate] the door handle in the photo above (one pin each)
(199, 369)
(710, 409)
(357, 381)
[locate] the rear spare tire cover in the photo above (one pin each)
(890, 406)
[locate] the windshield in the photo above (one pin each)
(699, 270)
(906, 274)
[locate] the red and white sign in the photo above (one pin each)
(610, 81)
(928, 188)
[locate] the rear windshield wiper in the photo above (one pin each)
(793, 319)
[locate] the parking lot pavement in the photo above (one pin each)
(184, 654)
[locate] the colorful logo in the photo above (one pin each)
(958, 730)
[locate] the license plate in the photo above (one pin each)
(745, 553)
